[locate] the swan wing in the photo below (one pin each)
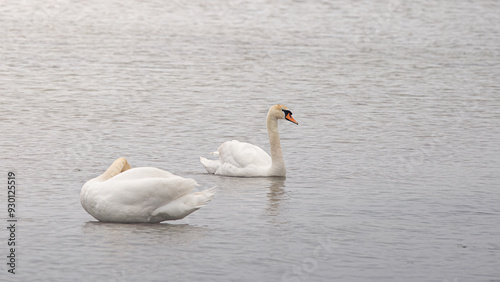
(242, 154)
(148, 192)
(134, 200)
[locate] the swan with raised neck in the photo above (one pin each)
(243, 159)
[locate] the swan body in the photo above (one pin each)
(242, 159)
(141, 195)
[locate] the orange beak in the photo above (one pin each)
(290, 118)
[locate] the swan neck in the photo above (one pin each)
(118, 166)
(278, 162)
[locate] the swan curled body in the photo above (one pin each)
(246, 160)
(141, 195)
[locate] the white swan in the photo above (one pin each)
(243, 159)
(145, 194)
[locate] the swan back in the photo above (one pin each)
(242, 154)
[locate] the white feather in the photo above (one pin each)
(144, 194)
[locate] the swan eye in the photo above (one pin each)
(287, 112)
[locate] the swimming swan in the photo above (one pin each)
(145, 194)
(243, 159)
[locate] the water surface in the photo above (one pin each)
(392, 172)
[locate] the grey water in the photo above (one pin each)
(392, 172)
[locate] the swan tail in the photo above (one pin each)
(183, 206)
(210, 165)
(202, 198)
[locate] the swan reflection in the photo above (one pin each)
(120, 235)
(276, 196)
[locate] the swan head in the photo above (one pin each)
(281, 112)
